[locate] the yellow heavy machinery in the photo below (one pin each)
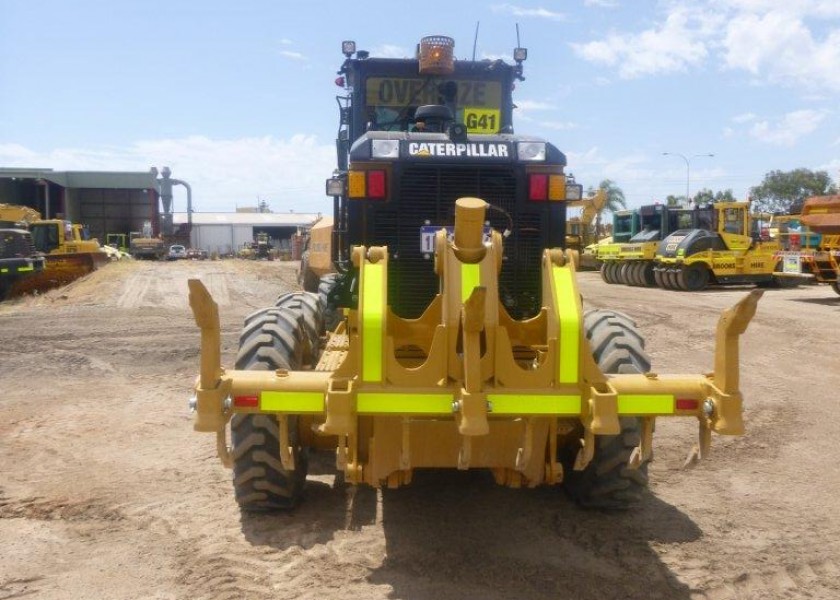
(579, 232)
(632, 262)
(60, 251)
(144, 245)
(821, 214)
(462, 340)
(733, 251)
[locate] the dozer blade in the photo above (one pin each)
(59, 270)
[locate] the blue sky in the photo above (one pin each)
(238, 98)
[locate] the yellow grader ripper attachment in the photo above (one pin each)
(464, 385)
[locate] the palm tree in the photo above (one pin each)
(615, 201)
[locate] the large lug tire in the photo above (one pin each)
(647, 278)
(271, 340)
(694, 277)
(309, 307)
(604, 268)
(607, 482)
(331, 312)
(624, 273)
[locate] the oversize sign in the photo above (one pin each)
(399, 92)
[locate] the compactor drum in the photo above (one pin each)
(453, 334)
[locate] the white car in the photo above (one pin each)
(177, 251)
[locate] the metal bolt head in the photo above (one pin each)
(456, 406)
(193, 403)
(708, 407)
(227, 404)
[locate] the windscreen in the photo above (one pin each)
(392, 101)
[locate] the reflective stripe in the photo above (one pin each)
(292, 402)
(373, 319)
(470, 279)
(569, 334)
(641, 404)
(418, 404)
(25, 269)
(533, 404)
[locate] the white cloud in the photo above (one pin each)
(519, 11)
(782, 49)
(391, 51)
(290, 173)
(292, 55)
(503, 57)
(286, 42)
(672, 46)
(789, 129)
(813, 8)
(601, 3)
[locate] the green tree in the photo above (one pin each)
(780, 189)
(707, 196)
(672, 200)
(615, 201)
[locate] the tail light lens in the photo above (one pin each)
(538, 187)
(687, 404)
(246, 401)
(376, 185)
(368, 185)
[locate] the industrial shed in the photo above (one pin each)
(225, 233)
(104, 201)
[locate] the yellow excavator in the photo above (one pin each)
(579, 232)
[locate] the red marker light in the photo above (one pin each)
(538, 187)
(339, 81)
(376, 184)
(687, 404)
(246, 401)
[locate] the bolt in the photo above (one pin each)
(456, 406)
(227, 404)
(708, 407)
(193, 403)
(489, 406)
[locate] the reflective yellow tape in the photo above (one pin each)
(470, 279)
(417, 404)
(292, 402)
(569, 317)
(533, 404)
(4, 270)
(642, 404)
(373, 320)
(25, 269)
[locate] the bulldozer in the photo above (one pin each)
(453, 333)
(59, 251)
(732, 251)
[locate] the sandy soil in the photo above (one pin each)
(106, 492)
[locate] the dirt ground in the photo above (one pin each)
(106, 492)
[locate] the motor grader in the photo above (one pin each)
(461, 339)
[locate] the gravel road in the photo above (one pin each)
(106, 492)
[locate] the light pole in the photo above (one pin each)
(687, 170)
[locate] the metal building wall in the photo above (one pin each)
(113, 210)
(221, 239)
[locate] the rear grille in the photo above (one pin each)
(16, 244)
(427, 195)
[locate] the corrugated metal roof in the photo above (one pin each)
(86, 179)
(250, 219)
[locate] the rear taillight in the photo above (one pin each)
(368, 185)
(376, 185)
(686, 404)
(246, 402)
(538, 187)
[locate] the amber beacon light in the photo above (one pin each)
(437, 55)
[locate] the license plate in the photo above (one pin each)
(428, 232)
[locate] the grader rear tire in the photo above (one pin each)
(607, 482)
(308, 305)
(331, 312)
(271, 339)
